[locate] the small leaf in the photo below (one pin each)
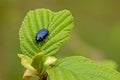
(59, 24)
(50, 61)
(37, 61)
(26, 62)
(80, 68)
(28, 74)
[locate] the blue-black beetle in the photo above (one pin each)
(41, 35)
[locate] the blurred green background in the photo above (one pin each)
(96, 33)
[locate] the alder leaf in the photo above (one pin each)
(81, 68)
(59, 24)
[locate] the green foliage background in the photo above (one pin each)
(96, 34)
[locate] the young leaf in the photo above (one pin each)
(26, 62)
(59, 25)
(37, 61)
(80, 68)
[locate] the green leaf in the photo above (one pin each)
(80, 68)
(26, 62)
(63, 74)
(37, 62)
(59, 25)
(50, 61)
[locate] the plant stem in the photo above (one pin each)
(43, 77)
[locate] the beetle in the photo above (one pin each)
(41, 35)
